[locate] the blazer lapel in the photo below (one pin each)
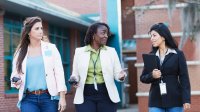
(102, 56)
(167, 57)
(24, 66)
(104, 60)
(158, 62)
(44, 48)
(85, 59)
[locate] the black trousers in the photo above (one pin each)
(96, 101)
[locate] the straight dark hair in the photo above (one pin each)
(163, 31)
(93, 30)
(25, 41)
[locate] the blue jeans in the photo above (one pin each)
(38, 103)
(172, 109)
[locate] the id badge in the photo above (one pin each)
(163, 89)
(48, 53)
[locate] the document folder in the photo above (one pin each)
(150, 62)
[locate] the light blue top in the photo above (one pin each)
(35, 74)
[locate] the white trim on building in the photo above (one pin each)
(189, 63)
(174, 34)
(155, 7)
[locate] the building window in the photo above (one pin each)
(60, 37)
(12, 32)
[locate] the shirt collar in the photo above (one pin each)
(89, 48)
(168, 51)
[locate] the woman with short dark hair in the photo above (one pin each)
(95, 67)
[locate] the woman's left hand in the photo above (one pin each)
(186, 106)
(62, 103)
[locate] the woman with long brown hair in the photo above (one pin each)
(38, 71)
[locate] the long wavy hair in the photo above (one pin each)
(93, 30)
(163, 31)
(25, 41)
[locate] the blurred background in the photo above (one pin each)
(65, 23)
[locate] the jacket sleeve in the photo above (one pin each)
(75, 66)
(147, 77)
(58, 70)
(14, 70)
(117, 66)
(184, 78)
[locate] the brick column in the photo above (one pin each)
(1, 56)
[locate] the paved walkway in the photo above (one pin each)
(131, 108)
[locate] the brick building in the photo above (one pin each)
(154, 13)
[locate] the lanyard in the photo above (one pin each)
(161, 62)
(94, 63)
(94, 73)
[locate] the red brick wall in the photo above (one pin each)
(104, 10)
(1, 56)
(128, 19)
(150, 17)
(79, 6)
(82, 6)
(145, 2)
(143, 104)
(195, 104)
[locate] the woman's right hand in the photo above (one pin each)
(18, 83)
(156, 74)
(186, 106)
(74, 81)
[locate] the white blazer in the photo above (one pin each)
(53, 70)
(110, 68)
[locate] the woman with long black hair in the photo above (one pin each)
(170, 85)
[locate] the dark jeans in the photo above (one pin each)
(39, 103)
(96, 101)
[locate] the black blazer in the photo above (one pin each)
(175, 75)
